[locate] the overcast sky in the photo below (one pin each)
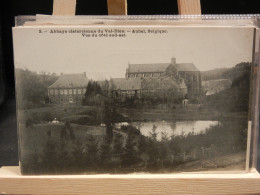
(100, 58)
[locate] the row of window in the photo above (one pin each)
(66, 91)
(128, 92)
(146, 91)
(66, 99)
(146, 75)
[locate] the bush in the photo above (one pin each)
(47, 116)
(83, 120)
(131, 129)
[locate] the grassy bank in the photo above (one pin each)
(192, 112)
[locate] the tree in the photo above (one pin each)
(110, 115)
(152, 149)
(153, 154)
(117, 151)
(142, 144)
(32, 88)
(92, 153)
(130, 155)
(64, 160)
(164, 148)
(105, 154)
(153, 133)
(93, 90)
(67, 132)
(164, 137)
(77, 156)
(49, 156)
(118, 144)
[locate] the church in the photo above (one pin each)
(183, 73)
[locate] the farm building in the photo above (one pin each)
(121, 88)
(69, 88)
(125, 87)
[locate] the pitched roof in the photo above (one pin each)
(126, 83)
(158, 67)
(186, 67)
(70, 80)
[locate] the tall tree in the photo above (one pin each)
(92, 153)
(118, 144)
(153, 133)
(110, 115)
(49, 156)
(130, 155)
(105, 154)
(93, 89)
(77, 156)
(32, 87)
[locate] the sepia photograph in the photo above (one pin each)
(132, 99)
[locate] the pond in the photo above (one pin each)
(172, 128)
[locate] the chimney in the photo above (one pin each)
(84, 73)
(61, 73)
(173, 61)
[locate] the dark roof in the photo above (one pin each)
(70, 80)
(126, 83)
(158, 67)
(186, 67)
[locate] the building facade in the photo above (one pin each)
(69, 88)
(121, 88)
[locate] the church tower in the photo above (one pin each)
(173, 61)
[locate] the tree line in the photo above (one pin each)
(31, 88)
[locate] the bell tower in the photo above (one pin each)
(173, 61)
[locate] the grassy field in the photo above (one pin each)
(52, 111)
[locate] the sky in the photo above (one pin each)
(105, 57)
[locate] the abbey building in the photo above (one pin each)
(184, 74)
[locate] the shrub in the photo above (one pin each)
(83, 120)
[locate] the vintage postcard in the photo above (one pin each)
(132, 99)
